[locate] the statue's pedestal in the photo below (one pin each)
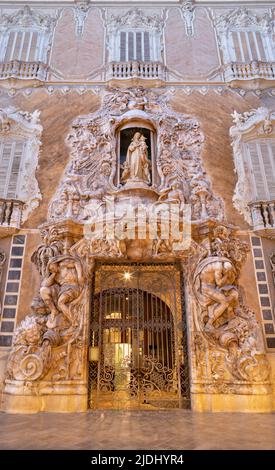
(136, 193)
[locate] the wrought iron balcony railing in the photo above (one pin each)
(250, 75)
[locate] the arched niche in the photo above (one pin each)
(124, 135)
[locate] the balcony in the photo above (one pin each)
(19, 74)
(10, 216)
(134, 72)
(253, 75)
(263, 218)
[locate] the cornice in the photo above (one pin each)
(148, 3)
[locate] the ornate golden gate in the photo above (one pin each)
(138, 346)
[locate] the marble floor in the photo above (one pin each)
(154, 430)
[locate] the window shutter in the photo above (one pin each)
(146, 47)
(131, 55)
(15, 167)
(257, 173)
(8, 52)
(123, 46)
(236, 46)
(268, 155)
(4, 167)
(23, 45)
(139, 45)
(261, 48)
(262, 167)
(10, 158)
(135, 45)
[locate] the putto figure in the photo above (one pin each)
(136, 166)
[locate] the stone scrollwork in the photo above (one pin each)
(27, 17)
(225, 323)
(243, 18)
(31, 352)
(135, 18)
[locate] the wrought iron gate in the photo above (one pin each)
(138, 346)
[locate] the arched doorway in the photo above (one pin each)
(137, 343)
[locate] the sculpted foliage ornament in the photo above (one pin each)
(243, 18)
(28, 17)
(135, 18)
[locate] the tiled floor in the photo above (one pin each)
(138, 430)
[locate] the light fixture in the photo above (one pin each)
(127, 276)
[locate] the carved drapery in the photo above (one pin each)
(81, 10)
(188, 14)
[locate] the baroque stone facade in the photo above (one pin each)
(123, 159)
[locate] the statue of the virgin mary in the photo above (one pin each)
(136, 166)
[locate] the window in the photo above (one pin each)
(23, 45)
(25, 36)
(246, 46)
(261, 164)
(20, 134)
(11, 156)
(135, 37)
(136, 45)
(245, 36)
(253, 142)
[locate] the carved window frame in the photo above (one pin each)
(18, 125)
(26, 21)
(245, 21)
(257, 126)
(135, 21)
(153, 50)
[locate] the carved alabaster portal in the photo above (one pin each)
(51, 345)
